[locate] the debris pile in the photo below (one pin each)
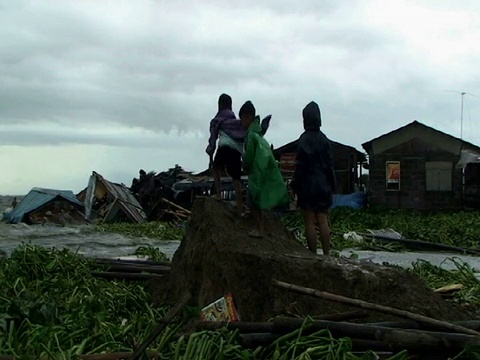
(161, 199)
(152, 197)
(217, 257)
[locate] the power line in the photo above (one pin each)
(462, 92)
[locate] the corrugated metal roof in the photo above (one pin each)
(36, 198)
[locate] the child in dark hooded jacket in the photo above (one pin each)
(314, 178)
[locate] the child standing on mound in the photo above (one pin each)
(314, 178)
(266, 187)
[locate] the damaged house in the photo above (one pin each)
(109, 202)
(47, 206)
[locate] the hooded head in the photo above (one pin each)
(224, 102)
(247, 114)
(312, 119)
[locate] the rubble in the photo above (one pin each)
(169, 195)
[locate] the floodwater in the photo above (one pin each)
(82, 239)
(86, 241)
(405, 259)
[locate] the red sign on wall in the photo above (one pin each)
(393, 175)
(287, 164)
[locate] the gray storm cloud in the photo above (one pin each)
(115, 86)
(161, 65)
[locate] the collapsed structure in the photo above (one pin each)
(109, 201)
(42, 206)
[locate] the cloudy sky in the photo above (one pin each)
(115, 86)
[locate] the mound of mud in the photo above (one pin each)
(217, 256)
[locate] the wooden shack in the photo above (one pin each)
(347, 160)
(416, 167)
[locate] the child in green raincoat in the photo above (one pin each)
(266, 186)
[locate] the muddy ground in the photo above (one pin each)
(217, 256)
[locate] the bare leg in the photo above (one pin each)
(322, 221)
(261, 222)
(218, 183)
(258, 217)
(310, 230)
(237, 184)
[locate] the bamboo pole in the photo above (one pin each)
(384, 338)
(408, 324)
(379, 308)
(265, 327)
(396, 338)
(162, 325)
(132, 268)
(134, 262)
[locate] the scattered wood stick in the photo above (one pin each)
(125, 276)
(162, 325)
(178, 214)
(449, 288)
(375, 307)
(176, 206)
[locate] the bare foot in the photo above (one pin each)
(255, 234)
(245, 214)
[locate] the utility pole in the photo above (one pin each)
(461, 118)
